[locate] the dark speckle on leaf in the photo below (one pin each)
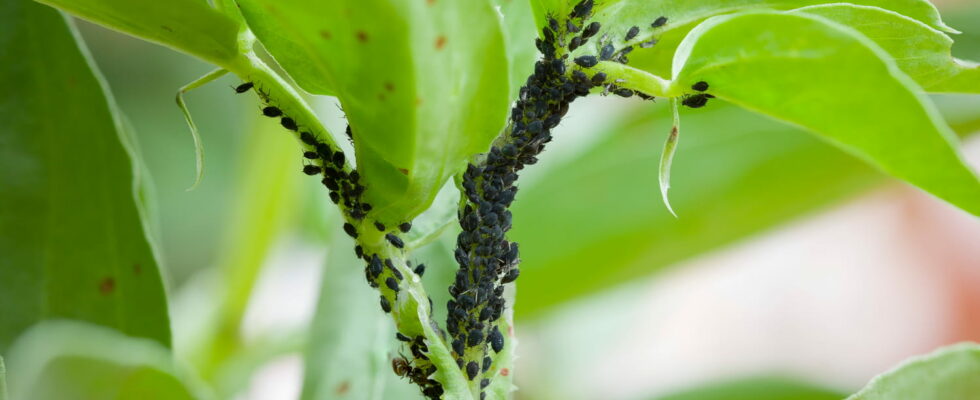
(107, 285)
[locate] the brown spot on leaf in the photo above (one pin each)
(440, 42)
(418, 101)
(381, 96)
(362, 36)
(137, 269)
(504, 372)
(430, 2)
(403, 171)
(389, 86)
(326, 34)
(343, 387)
(107, 286)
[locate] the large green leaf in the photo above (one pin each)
(342, 364)
(424, 84)
(63, 359)
(684, 15)
(73, 244)
(190, 26)
(834, 82)
(921, 51)
(762, 388)
(949, 373)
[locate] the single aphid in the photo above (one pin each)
(583, 9)
(334, 196)
(420, 269)
(571, 27)
(350, 229)
(395, 240)
(311, 169)
(630, 34)
(696, 101)
(472, 369)
(311, 155)
(288, 123)
(553, 23)
(484, 383)
(271, 111)
(359, 251)
(381, 227)
(598, 78)
(399, 336)
(496, 340)
(575, 43)
(510, 276)
(392, 284)
(405, 227)
(590, 30)
(385, 305)
(308, 138)
(243, 87)
(659, 22)
(623, 92)
(486, 363)
(606, 52)
(700, 86)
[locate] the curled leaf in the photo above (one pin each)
(667, 157)
(198, 145)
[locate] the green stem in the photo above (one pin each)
(637, 79)
(198, 145)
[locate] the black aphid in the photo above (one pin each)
(590, 30)
(630, 34)
(395, 240)
(511, 276)
(582, 9)
(271, 111)
(243, 87)
(484, 383)
(311, 169)
(308, 138)
(496, 340)
(606, 52)
(381, 227)
(700, 86)
(399, 336)
(659, 22)
(350, 229)
(487, 362)
(405, 227)
(623, 92)
(571, 27)
(310, 155)
(472, 369)
(474, 338)
(420, 269)
(586, 61)
(598, 78)
(385, 305)
(553, 23)
(392, 284)
(648, 44)
(359, 251)
(288, 123)
(575, 43)
(696, 101)
(335, 197)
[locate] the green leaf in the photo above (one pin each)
(74, 246)
(948, 373)
(834, 82)
(62, 359)
(683, 15)
(758, 388)
(423, 84)
(189, 26)
(618, 16)
(519, 33)
(922, 52)
(667, 156)
(341, 365)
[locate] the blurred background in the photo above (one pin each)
(791, 263)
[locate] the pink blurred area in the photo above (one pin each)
(835, 298)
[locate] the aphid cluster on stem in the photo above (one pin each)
(487, 260)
